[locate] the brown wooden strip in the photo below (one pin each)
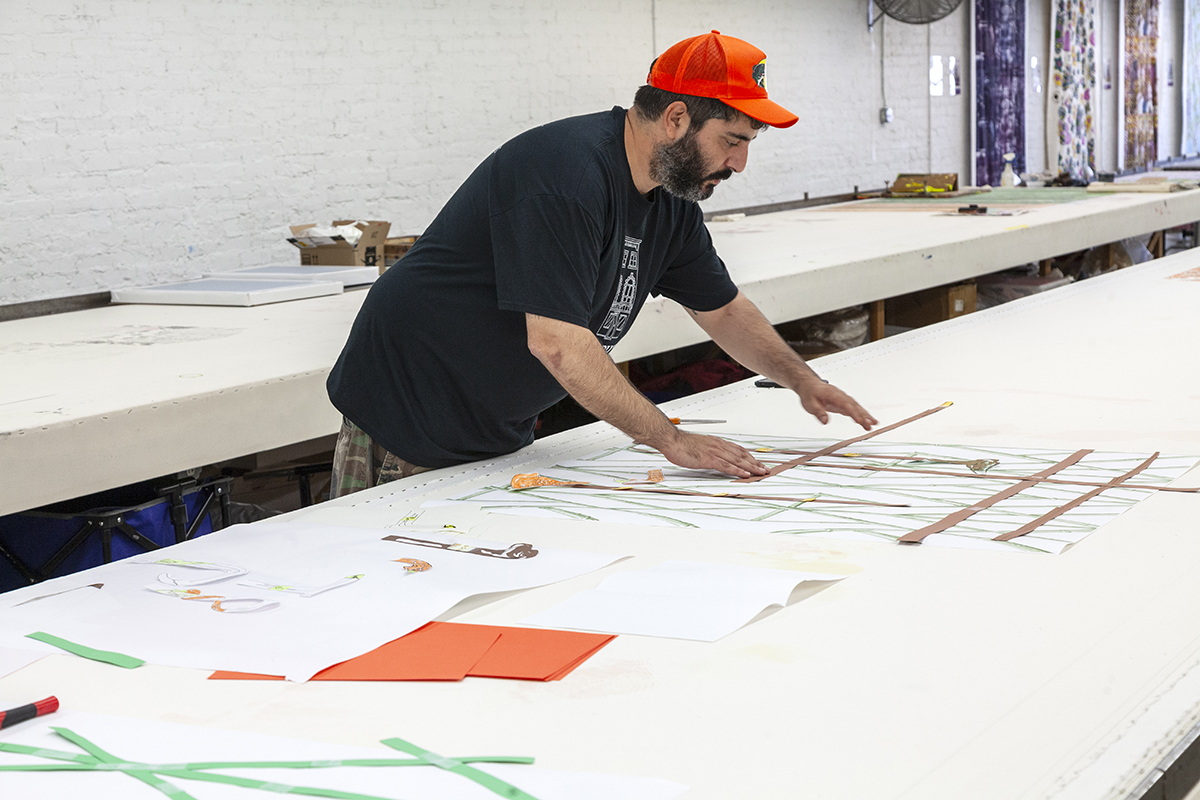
(985, 476)
(1083, 498)
(834, 447)
(950, 520)
(532, 480)
(735, 495)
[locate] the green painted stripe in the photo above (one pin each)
(107, 656)
(491, 782)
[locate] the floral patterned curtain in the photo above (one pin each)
(1071, 144)
(999, 87)
(1141, 83)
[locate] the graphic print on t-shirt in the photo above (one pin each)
(623, 301)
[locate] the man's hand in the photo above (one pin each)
(578, 362)
(819, 398)
(695, 451)
(742, 332)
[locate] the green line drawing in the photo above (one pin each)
(95, 759)
(929, 497)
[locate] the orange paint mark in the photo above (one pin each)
(1188, 275)
(530, 480)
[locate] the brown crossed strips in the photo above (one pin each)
(1083, 498)
(950, 520)
(833, 448)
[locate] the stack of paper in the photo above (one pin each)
(448, 651)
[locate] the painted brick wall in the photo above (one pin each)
(146, 141)
(824, 64)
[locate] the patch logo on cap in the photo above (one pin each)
(760, 74)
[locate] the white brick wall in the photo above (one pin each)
(824, 64)
(143, 141)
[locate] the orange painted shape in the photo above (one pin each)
(529, 480)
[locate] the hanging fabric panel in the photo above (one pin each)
(1191, 77)
(1071, 143)
(1000, 88)
(1141, 83)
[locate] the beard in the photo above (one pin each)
(680, 169)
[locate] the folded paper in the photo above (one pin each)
(678, 600)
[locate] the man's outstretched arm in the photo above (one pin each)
(575, 358)
(741, 330)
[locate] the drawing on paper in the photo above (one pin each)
(56, 594)
(518, 550)
(219, 602)
(215, 572)
(302, 591)
(228, 626)
(945, 495)
(173, 586)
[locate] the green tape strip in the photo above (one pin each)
(155, 782)
(349, 762)
(42, 752)
(271, 786)
(99, 760)
(108, 657)
(133, 770)
(361, 762)
(502, 788)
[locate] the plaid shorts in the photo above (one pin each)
(360, 463)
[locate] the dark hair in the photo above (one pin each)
(651, 102)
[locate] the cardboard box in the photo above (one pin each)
(394, 249)
(931, 305)
(921, 183)
(335, 251)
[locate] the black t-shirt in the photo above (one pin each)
(437, 368)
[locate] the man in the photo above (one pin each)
(538, 264)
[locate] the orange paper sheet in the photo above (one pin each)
(449, 651)
(439, 651)
(536, 654)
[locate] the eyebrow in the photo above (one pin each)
(741, 136)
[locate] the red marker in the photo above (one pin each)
(22, 713)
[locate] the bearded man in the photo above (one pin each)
(536, 267)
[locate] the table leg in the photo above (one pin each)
(875, 322)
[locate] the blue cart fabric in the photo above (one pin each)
(31, 541)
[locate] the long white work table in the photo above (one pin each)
(796, 264)
(928, 673)
(130, 393)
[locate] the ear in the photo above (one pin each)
(676, 121)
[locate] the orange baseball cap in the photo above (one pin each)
(723, 68)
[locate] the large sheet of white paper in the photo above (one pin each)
(677, 600)
(811, 500)
(175, 755)
(282, 599)
(12, 659)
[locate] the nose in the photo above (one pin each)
(737, 159)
